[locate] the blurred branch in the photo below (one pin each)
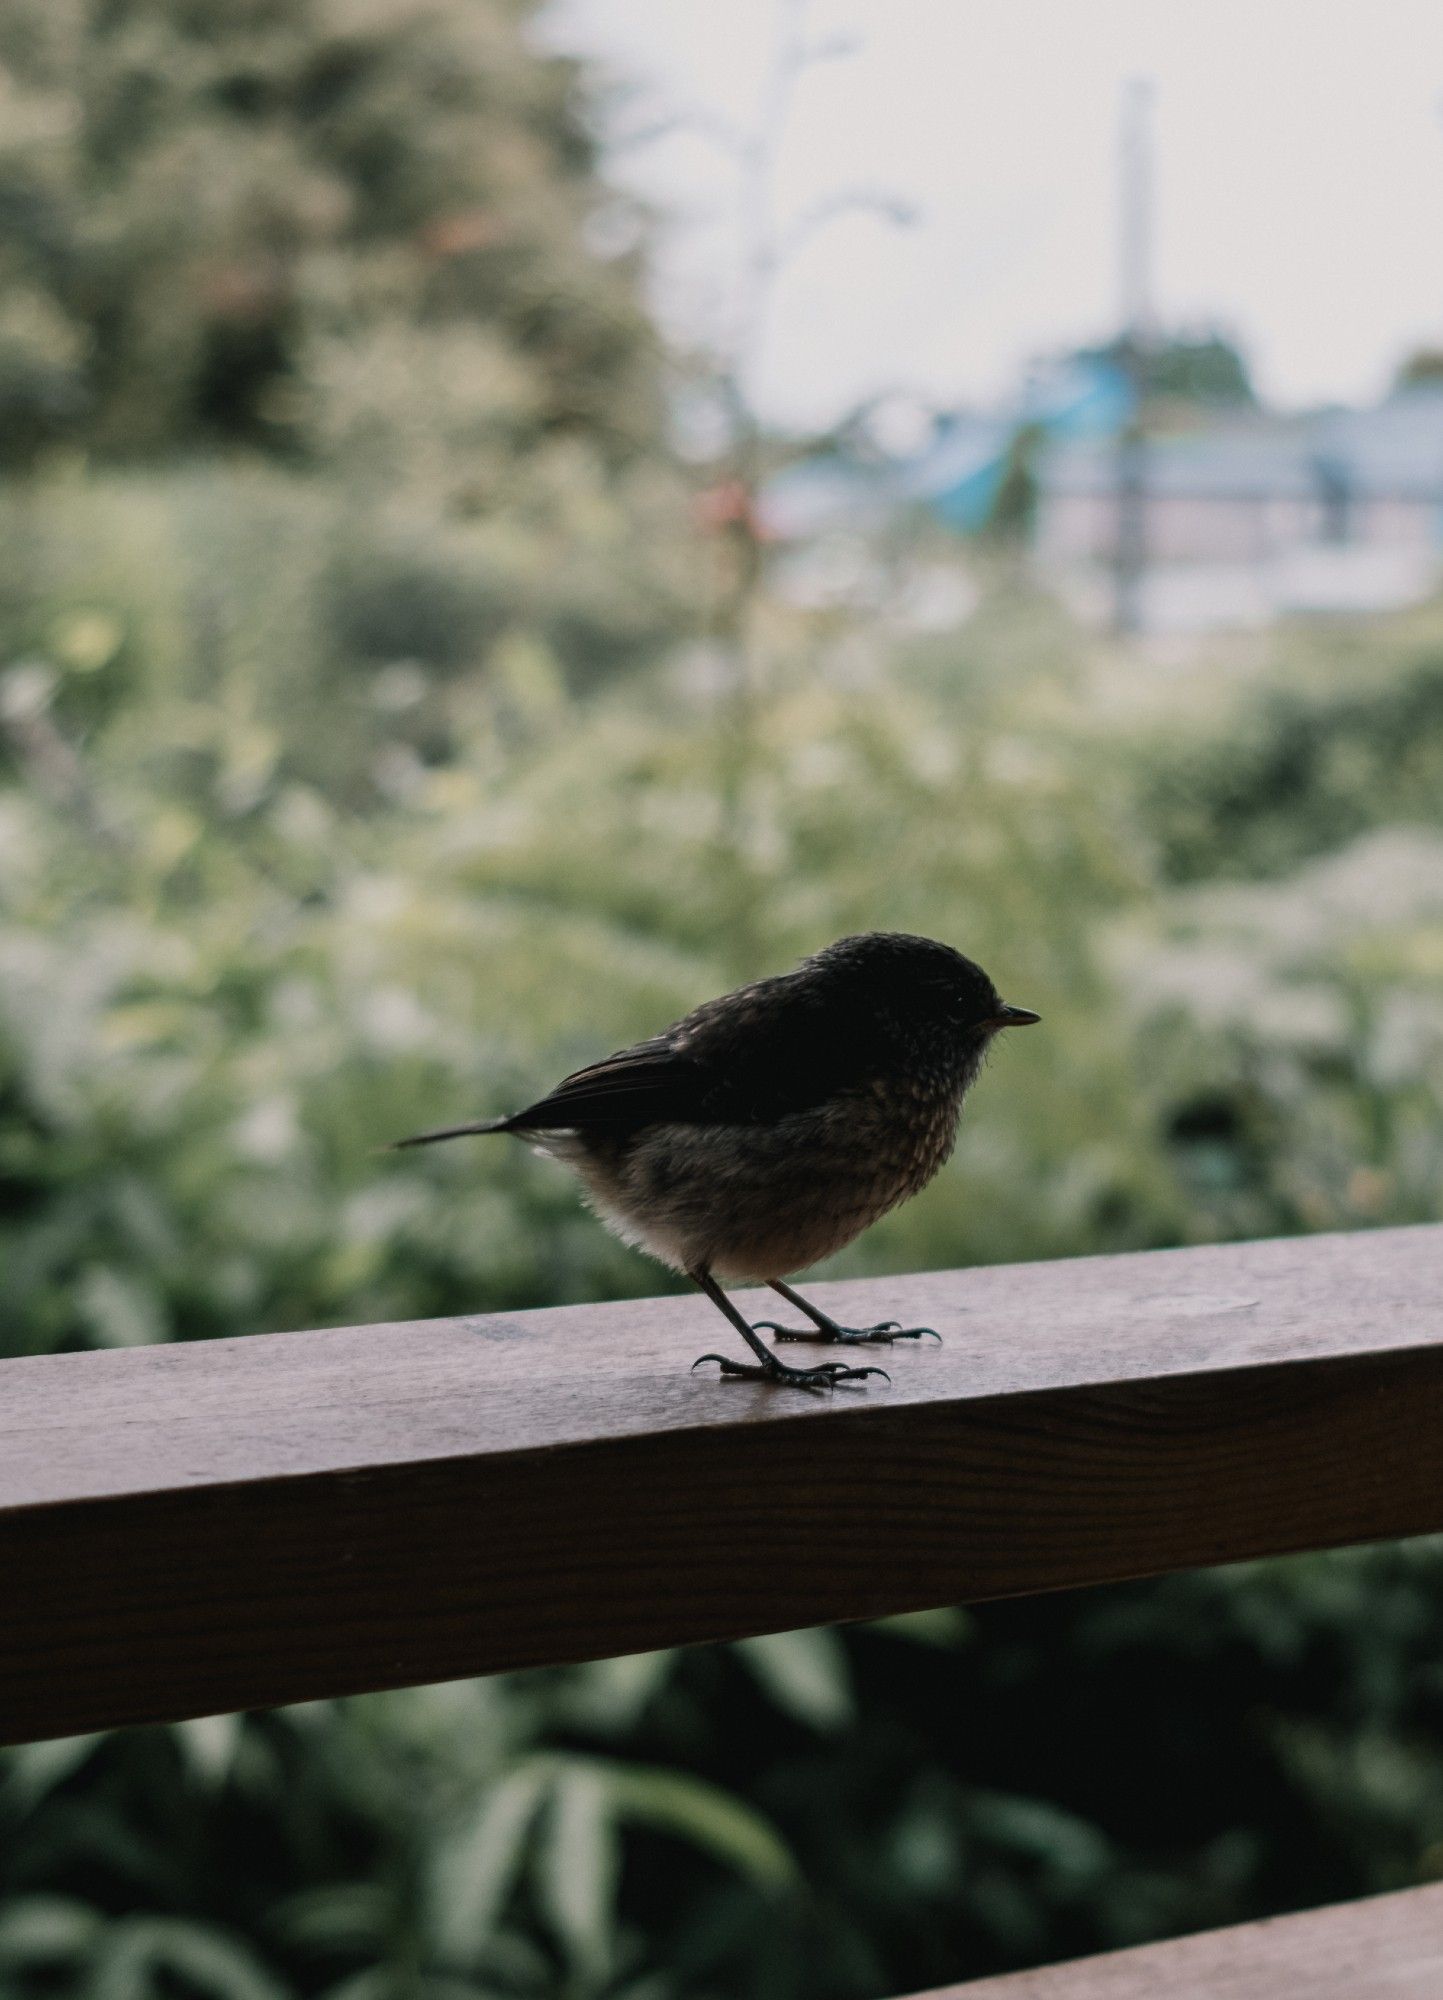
(769, 245)
(695, 121)
(887, 208)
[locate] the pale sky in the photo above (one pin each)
(1298, 181)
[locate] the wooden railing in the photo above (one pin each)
(237, 1524)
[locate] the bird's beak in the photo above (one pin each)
(1014, 1017)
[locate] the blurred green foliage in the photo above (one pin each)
(1348, 736)
(232, 222)
(369, 755)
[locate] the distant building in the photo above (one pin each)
(1246, 516)
(1251, 517)
(957, 475)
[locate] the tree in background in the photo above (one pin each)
(1205, 367)
(1422, 369)
(200, 201)
(349, 332)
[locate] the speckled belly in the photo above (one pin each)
(759, 1201)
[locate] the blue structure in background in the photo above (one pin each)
(958, 474)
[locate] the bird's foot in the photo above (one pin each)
(848, 1336)
(826, 1376)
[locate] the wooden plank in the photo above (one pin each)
(241, 1523)
(1387, 1948)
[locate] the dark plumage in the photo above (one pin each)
(766, 1129)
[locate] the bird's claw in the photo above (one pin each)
(852, 1336)
(825, 1376)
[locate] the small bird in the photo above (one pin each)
(768, 1128)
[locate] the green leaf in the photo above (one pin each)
(216, 1965)
(377, 1982)
(613, 1694)
(119, 1309)
(387, 1982)
(477, 1866)
(37, 1769)
(946, 1627)
(209, 1744)
(805, 1673)
(1037, 1827)
(338, 1917)
(39, 1929)
(580, 1867)
(708, 1818)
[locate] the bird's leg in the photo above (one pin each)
(828, 1329)
(767, 1368)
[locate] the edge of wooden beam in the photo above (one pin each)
(1383, 1945)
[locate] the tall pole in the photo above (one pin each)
(1135, 302)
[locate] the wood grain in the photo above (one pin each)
(1387, 1948)
(240, 1523)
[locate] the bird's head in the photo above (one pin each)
(922, 985)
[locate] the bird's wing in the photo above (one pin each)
(650, 1084)
(755, 1055)
(777, 1047)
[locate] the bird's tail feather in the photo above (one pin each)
(451, 1132)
